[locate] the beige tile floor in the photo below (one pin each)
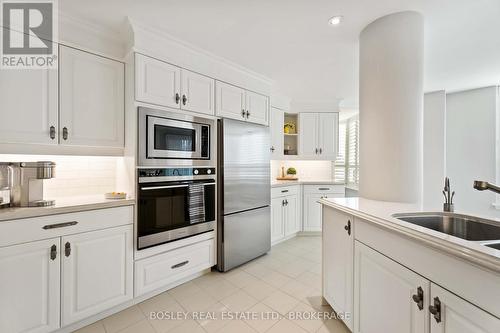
(268, 290)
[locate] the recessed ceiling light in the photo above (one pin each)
(335, 20)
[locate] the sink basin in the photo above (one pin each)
(494, 245)
(461, 226)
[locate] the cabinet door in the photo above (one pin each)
(308, 135)
(230, 101)
(30, 287)
(28, 106)
(157, 82)
(198, 93)
(257, 106)
(277, 225)
(328, 135)
(312, 213)
(276, 121)
(338, 261)
(92, 107)
(383, 295)
(291, 220)
(96, 272)
(460, 316)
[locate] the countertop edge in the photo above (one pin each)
(11, 214)
(283, 183)
(472, 256)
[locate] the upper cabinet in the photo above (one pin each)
(91, 99)
(28, 104)
(240, 104)
(276, 123)
(318, 136)
(161, 83)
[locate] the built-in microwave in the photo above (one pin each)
(168, 139)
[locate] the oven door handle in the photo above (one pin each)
(162, 187)
(204, 184)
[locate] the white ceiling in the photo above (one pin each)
(291, 42)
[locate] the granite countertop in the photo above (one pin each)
(281, 183)
(380, 213)
(64, 206)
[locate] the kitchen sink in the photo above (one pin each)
(494, 245)
(462, 226)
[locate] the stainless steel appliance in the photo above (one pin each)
(27, 183)
(174, 139)
(175, 203)
(244, 198)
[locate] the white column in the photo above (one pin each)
(391, 108)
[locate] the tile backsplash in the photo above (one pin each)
(76, 175)
(306, 170)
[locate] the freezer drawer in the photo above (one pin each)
(246, 235)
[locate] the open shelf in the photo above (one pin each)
(291, 138)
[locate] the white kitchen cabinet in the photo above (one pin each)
(257, 108)
(312, 209)
(30, 287)
(318, 135)
(240, 104)
(91, 99)
(338, 249)
(285, 213)
(276, 122)
(386, 295)
(197, 93)
(96, 272)
(230, 101)
(157, 82)
(29, 106)
(459, 316)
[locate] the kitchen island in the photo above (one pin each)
(387, 275)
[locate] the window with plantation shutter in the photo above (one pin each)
(347, 162)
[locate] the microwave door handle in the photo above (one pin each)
(162, 187)
(198, 141)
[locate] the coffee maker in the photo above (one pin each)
(27, 183)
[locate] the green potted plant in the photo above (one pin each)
(291, 172)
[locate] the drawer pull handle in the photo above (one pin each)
(324, 189)
(53, 252)
(180, 264)
(67, 249)
(284, 191)
(59, 225)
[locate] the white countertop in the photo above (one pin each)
(380, 213)
(280, 183)
(63, 206)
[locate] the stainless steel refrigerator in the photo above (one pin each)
(244, 198)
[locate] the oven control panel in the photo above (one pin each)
(176, 172)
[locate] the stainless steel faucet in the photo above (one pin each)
(482, 186)
(448, 196)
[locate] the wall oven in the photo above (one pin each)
(175, 203)
(173, 139)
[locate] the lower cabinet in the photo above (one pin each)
(59, 281)
(96, 272)
(285, 213)
(312, 209)
(390, 298)
(30, 287)
(338, 247)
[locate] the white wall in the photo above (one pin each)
(434, 148)
(471, 153)
(306, 170)
(76, 175)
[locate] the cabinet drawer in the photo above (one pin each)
(340, 189)
(37, 228)
(166, 268)
(284, 190)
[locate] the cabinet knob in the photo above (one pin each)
(347, 227)
(248, 114)
(419, 298)
(316, 150)
(65, 133)
(53, 252)
(184, 99)
(67, 249)
(321, 150)
(272, 149)
(177, 98)
(243, 113)
(52, 132)
(435, 309)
